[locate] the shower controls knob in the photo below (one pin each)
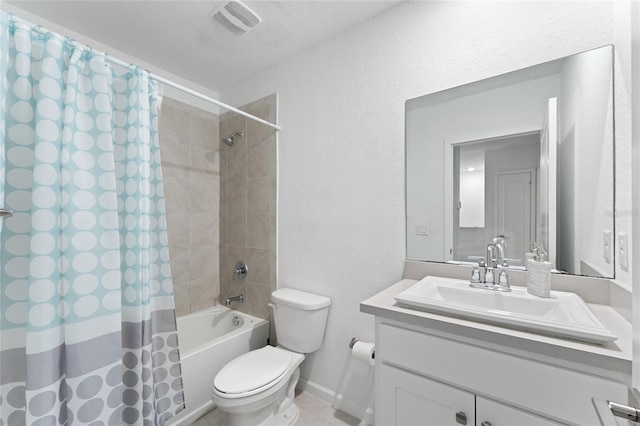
(241, 271)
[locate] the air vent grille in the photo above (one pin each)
(236, 17)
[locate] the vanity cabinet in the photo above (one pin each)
(411, 399)
(427, 377)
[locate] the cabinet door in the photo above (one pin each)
(492, 413)
(407, 399)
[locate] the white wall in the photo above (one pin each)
(622, 106)
(341, 150)
(635, 83)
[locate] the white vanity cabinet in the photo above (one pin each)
(405, 398)
(411, 399)
(427, 377)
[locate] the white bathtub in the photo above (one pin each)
(208, 340)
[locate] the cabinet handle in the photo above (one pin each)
(5, 212)
(485, 424)
(461, 418)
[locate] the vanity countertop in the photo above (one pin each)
(610, 359)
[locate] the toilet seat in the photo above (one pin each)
(253, 372)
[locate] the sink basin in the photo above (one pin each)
(563, 314)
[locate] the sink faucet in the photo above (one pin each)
(495, 250)
(494, 278)
(238, 298)
(495, 275)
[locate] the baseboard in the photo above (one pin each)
(365, 414)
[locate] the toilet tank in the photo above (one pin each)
(300, 319)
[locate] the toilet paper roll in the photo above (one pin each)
(364, 352)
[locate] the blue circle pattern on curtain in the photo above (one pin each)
(86, 283)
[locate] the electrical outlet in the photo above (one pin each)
(623, 250)
(606, 246)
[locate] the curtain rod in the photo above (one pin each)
(40, 29)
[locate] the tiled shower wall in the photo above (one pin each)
(190, 150)
(248, 188)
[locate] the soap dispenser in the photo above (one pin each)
(539, 274)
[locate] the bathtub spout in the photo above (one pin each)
(239, 298)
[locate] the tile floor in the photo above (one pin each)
(313, 412)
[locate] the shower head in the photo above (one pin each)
(230, 138)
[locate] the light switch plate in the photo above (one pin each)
(623, 250)
(422, 229)
(606, 246)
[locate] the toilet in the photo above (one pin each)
(258, 387)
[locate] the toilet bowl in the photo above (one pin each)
(258, 387)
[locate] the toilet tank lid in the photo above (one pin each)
(300, 299)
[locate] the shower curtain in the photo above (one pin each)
(87, 319)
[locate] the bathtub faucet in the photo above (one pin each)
(238, 298)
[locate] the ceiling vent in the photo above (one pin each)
(236, 17)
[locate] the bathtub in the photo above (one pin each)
(208, 340)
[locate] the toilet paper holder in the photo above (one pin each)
(352, 343)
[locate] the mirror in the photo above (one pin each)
(527, 156)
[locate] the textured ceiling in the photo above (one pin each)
(180, 37)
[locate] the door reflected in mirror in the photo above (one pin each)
(527, 156)
(504, 170)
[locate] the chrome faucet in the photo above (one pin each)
(495, 250)
(492, 275)
(238, 298)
